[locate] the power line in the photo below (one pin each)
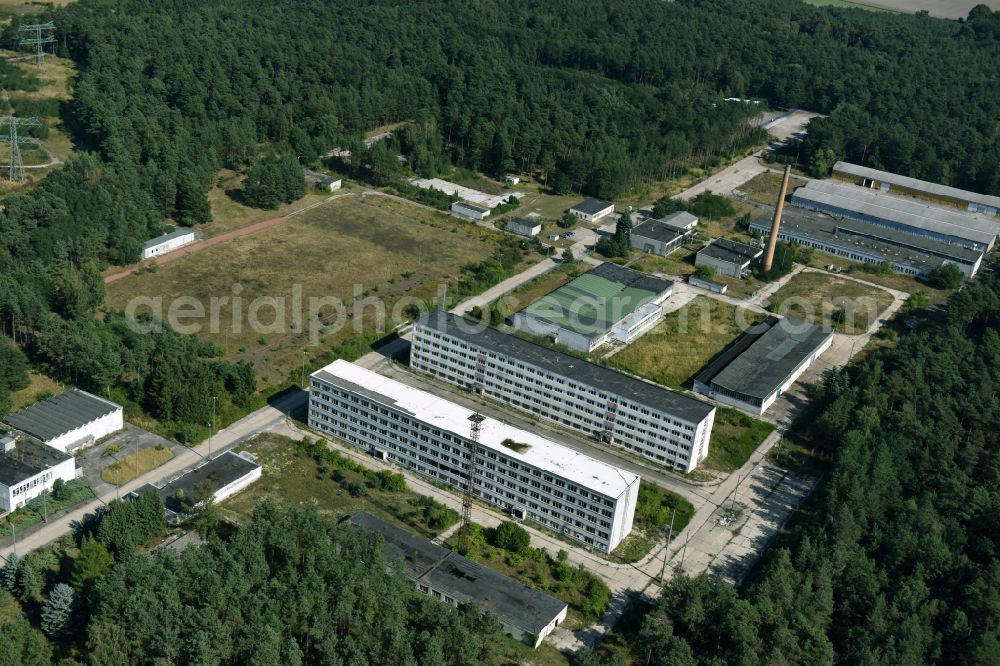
(16, 172)
(39, 40)
(470, 478)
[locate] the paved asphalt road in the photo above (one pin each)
(261, 420)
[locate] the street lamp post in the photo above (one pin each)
(302, 373)
(666, 547)
(212, 430)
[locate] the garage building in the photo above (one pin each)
(763, 363)
(944, 195)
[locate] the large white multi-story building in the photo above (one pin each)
(641, 417)
(525, 474)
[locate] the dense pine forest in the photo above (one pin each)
(896, 559)
(590, 97)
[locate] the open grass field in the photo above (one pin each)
(764, 188)
(291, 476)
(229, 214)
(846, 4)
(735, 436)
(675, 350)
(39, 388)
(653, 512)
(370, 249)
(124, 469)
(847, 306)
(892, 280)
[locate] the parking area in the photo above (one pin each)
(91, 461)
(736, 534)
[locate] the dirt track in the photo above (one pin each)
(204, 244)
(950, 9)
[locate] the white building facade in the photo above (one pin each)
(529, 476)
(71, 420)
(27, 469)
(638, 416)
(167, 243)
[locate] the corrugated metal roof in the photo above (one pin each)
(592, 206)
(153, 242)
(900, 211)
(915, 184)
(60, 414)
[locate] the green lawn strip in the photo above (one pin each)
(74, 492)
(735, 436)
(652, 521)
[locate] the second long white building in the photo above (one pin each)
(523, 473)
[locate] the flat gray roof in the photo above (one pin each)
(681, 218)
(732, 252)
(217, 472)
(764, 365)
(895, 245)
(60, 414)
(915, 184)
(906, 212)
(27, 459)
(462, 579)
(165, 237)
(592, 206)
(659, 230)
(595, 376)
(471, 206)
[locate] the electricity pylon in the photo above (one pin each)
(15, 140)
(476, 421)
(38, 41)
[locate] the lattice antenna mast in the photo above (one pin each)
(16, 141)
(476, 421)
(39, 40)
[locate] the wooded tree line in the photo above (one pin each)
(290, 587)
(588, 96)
(896, 558)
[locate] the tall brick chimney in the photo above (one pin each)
(778, 210)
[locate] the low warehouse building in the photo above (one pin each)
(323, 182)
(608, 303)
(944, 195)
(470, 211)
(215, 480)
(763, 363)
(28, 468)
(591, 210)
(524, 226)
(167, 243)
(728, 257)
(917, 256)
(69, 421)
(665, 235)
(898, 213)
(526, 614)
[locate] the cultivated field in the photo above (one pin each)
(846, 305)
(950, 9)
(353, 249)
(678, 347)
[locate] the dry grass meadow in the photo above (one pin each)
(357, 247)
(816, 296)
